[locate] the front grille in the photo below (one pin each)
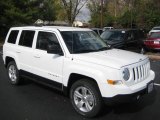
(140, 72)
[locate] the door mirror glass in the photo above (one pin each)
(54, 49)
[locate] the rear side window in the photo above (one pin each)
(26, 38)
(13, 36)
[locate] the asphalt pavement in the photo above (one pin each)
(31, 101)
(0, 50)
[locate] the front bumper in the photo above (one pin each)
(125, 98)
(111, 91)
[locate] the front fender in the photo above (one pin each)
(99, 73)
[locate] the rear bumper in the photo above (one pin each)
(152, 47)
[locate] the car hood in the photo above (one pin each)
(114, 58)
(152, 39)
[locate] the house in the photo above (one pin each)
(56, 23)
(80, 24)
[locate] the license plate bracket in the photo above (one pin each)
(150, 87)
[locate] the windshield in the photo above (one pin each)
(113, 35)
(83, 41)
(156, 28)
(155, 35)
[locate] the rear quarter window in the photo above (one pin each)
(13, 36)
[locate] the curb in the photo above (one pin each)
(154, 57)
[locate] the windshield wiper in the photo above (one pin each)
(103, 48)
(85, 51)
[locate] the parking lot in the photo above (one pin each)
(32, 101)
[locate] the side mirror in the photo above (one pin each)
(130, 38)
(54, 49)
(110, 46)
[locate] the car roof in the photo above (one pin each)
(127, 29)
(156, 27)
(60, 28)
(118, 30)
(96, 29)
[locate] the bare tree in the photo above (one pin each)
(72, 8)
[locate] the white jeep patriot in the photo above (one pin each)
(77, 62)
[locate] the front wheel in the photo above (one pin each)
(85, 98)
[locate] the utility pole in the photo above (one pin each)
(115, 8)
(131, 13)
(115, 13)
(101, 13)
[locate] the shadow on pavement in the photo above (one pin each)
(133, 107)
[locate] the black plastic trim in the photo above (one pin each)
(42, 80)
(124, 98)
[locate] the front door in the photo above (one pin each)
(45, 64)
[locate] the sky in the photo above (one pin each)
(84, 14)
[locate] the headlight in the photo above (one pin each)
(126, 74)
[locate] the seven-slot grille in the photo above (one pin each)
(140, 72)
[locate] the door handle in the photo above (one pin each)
(18, 52)
(37, 57)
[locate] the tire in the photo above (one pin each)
(86, 98)
(13, 73)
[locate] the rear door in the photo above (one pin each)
(24, 49)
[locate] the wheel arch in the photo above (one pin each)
(8, 59)
(74, 77)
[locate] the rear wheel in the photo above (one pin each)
(85, 98)
(13, 73)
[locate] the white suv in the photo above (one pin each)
(77, 62)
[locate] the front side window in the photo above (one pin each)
(13, 36)
(131, 35)
(83, 41)
(26, 38)
(46, 38)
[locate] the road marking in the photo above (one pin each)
(157, 84)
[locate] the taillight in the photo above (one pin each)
(156, 42)
(148, 42)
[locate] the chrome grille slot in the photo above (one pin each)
(140, 72)
(134, 76)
